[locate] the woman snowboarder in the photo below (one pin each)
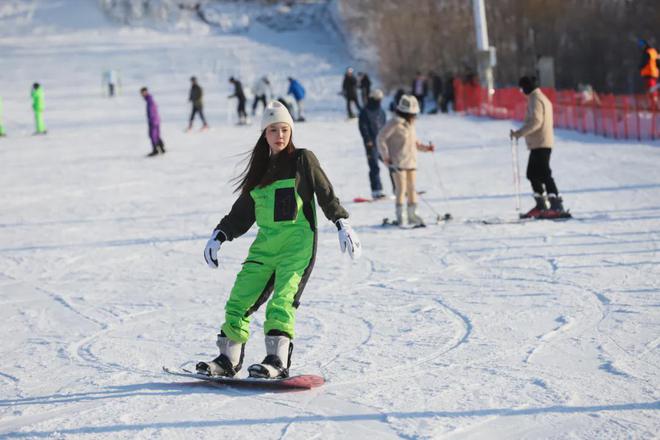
(277, 191)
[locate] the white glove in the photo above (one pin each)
(348, 239)
(212, 248)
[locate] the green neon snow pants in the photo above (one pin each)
(279, 262)
(39, 121)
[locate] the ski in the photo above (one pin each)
(520, 220)
(378, 199)
(299, 382)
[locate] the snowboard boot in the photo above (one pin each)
(153, 153)
(414, 219)
(541, 205)
(399, 215)
(277, 361)
(556, 208)
(228, 363)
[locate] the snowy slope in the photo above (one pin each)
(459, 331)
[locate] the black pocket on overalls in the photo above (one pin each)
(285, 204)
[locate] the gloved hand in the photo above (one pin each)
(212, 248)
(348, 239)
(513, 134)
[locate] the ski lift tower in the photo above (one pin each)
(486, 58)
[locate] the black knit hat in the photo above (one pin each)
(527, 84)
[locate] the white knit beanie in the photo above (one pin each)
(274, 113)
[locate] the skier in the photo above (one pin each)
(649, 69)
(372, 118)
(38, 107)
(195, 97)
(419, 89)
(2, 129)
(364, 83)
(349, 90)
(538, 133)
(398, 144)
(277, 190)
(298, 92)
(153, 119)
(110, 77)
(262, 92)
(240, 95)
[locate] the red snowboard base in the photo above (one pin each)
(300, 382)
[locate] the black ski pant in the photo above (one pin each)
(241, 109)
(349, 110)
(444, 105)
(258, 98)
(539, 173)
(197, 110)
(420, 100)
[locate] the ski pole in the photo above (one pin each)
(443, 192)
(516, 172)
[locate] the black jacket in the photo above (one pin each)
(349, 86)
(238, 90)
(196, 96)
(372, 119)
(310, 181)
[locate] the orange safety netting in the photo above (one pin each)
(615, 116)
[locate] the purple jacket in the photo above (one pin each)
(152, 111)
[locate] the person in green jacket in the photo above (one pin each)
(2, 129)
(277, 191)
(38, 107)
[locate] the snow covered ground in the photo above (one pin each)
(458, 331)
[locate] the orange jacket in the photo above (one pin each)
(650, 69)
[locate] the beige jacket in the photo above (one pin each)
(537, 130)
(397, 142)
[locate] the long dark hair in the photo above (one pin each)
(254, 174)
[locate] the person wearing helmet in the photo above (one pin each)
(277, 190)
(398, 144)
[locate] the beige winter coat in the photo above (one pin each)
(397, 142)
(537, 129)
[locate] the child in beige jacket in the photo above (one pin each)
(398, 144)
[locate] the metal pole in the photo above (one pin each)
(516, 172)
(483, 49)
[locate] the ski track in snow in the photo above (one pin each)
(459, 330)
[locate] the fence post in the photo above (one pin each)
(625, 118)
(639, 129)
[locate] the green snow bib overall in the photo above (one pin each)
(279, 262)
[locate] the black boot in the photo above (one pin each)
(556, 208)
(277, 361)
(228, 363)
(541, 206)
(161, 146)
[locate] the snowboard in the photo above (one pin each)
(300, 382)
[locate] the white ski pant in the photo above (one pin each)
(404, 183)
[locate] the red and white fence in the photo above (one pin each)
(614, 116)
